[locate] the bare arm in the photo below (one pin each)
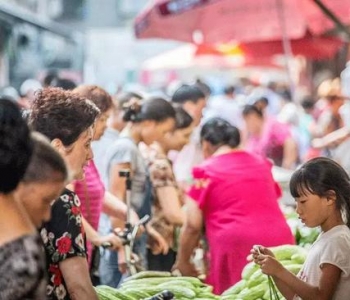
(335, 137)
(286, 291)
(79, 287)
(189, 238)
(117, 183)
(113, 206)
(290, 153)
(171, 205)
(93, 236)
(287, 281)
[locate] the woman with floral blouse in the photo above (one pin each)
(67, 120)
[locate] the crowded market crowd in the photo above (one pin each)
(200, 166)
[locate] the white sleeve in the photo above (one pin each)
(337, 253)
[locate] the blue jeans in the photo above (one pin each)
(108, 269)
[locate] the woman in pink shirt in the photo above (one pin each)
(91, 191)
(269, 138)
(235, 197)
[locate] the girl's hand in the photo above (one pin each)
(257, 250)
(269, 265)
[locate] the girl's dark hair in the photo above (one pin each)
(319, 176)
(97, 95)
(46, 164)
(61, 114)
(182, 118)
(252, 109)
(15, 146)
(155, 109)
(219, 132)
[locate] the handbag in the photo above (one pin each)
(95, 254)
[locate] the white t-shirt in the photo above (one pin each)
(332, 247)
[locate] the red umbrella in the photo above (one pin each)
(315, 48)
(233, 55)
(241, 20)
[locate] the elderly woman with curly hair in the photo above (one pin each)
(66, 119)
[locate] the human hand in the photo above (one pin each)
(269, 265)
(160, 244)
(257, 250)
(185, 269)
(122, 266)
(111, 239)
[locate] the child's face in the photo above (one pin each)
(313, 210)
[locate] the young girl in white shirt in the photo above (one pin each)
(321, 189)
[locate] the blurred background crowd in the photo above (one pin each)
(208, 110)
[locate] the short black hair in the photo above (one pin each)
(46, 164)
(218, 132)
(182, 118)
(205, 88)
(154, 108)
(125, 97)
(16, 147)
(262, 100)
(187, 93)
(307, 102)
(252, 109)
(230, 89)
(63, 83)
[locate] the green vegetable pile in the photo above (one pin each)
(149, 283)
(255, 285)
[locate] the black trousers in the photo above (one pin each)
(161, 262)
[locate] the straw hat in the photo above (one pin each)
(330, 89)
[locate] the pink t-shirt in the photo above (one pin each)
(271, 141)
(91, 193)
(238, 198)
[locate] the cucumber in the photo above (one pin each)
(249, 269)
(252, 294)
(182, 292)
(146, 281)
(103, 294)
(117, 294)
(235, 289)
(179, 283)
(257, 278)
(147, 274)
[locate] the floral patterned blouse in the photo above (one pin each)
(63, 237)
(22, 269)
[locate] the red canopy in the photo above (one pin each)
(315, 48)
(240, 20)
